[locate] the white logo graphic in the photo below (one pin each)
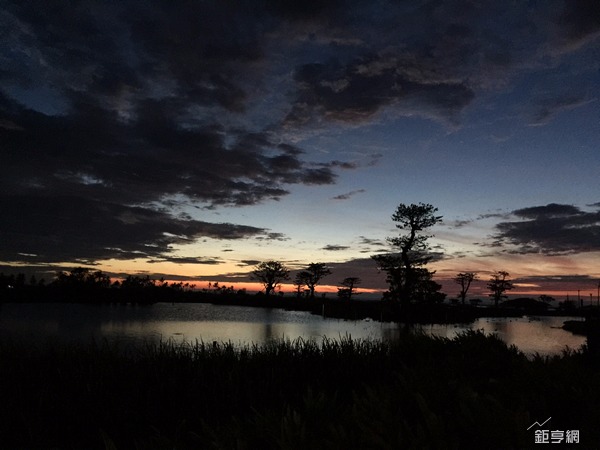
(553, 436)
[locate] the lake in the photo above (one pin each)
(188, 322)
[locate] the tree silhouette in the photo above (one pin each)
(498, 285)
(299, 282)
(81, 277)
(546, 298)
(349, 284)
(136, 282)
(405, 269)
(464, 280)
(426, 290)
(311, 276)
(270, 274)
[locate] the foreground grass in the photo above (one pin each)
(419, 392)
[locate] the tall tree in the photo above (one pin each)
(270, 274)
(405, 267)
(312, 275)
(498, 285)
(464, 280)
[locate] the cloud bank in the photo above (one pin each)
(115, 118)
(551, 229)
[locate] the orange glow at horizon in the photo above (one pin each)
(284, 287)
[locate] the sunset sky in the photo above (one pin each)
(193, 141)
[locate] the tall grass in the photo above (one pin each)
(416, 392)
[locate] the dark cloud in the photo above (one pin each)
(565, 278)
(90, 152)
(350, 59)
(355, 91)
(563, 282)
(335, 248)
(342, 164)
(303, 11)
(580, 20)
(91, 155)
(460, 223)
(347, 195)
(551, 229)
(130, 109)
(271, 236)
(133, 109)
(428, 58)
(552, 210)
(71, 228)
(187, 260)
(369, 241)
(248, 262)
(369, 245)
(492, 216)
(169, 277)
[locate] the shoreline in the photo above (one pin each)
(378, 310)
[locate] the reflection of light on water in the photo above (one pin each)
(311, 327)
(246, 325)
(207, 323)
(531, 335)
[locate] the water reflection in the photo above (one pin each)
(542, 335)
(244, 325)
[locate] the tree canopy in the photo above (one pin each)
(349, 285)
(312, 275)
(498, 285)
(271, 274)
(81, 277)
(464, 280)
(407, 278)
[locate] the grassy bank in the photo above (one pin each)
(471, 392)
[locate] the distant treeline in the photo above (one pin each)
(82, 285)
(85, 285)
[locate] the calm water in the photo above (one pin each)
(243, 325)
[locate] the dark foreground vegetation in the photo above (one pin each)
(419, 392)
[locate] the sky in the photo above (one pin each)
(193, 141)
